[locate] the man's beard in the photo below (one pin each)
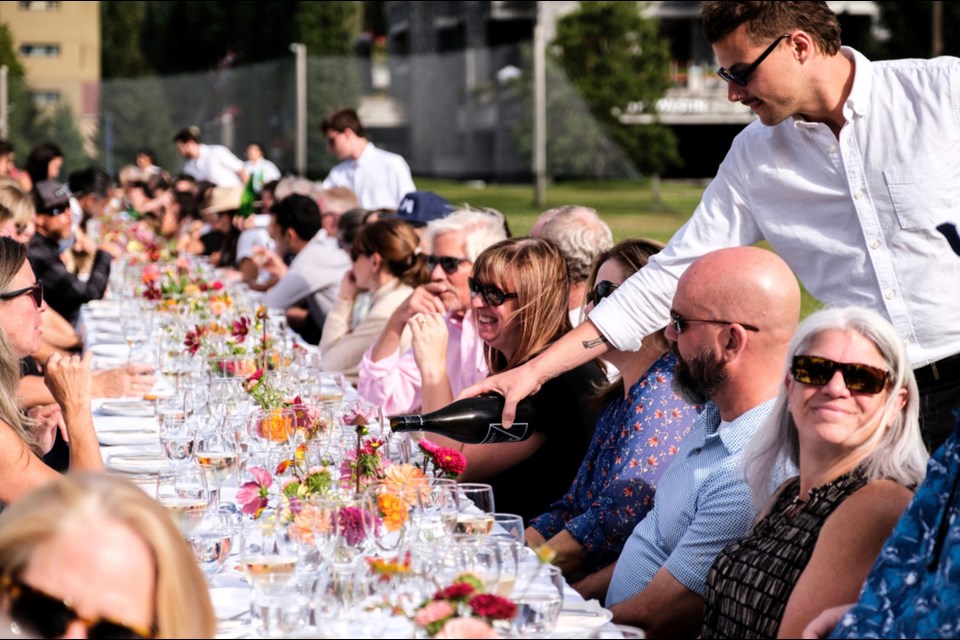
(697, 380)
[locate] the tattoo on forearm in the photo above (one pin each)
(590, 344)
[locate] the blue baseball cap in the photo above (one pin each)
(420, 207)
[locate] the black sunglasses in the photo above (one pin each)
(601, 291)
(859, 378)
(492, 294)
(449, 264)
(741, 77)
(680, 323)
(35, 290)
(49, 616)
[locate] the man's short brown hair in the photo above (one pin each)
(768, 20)
(341, 120)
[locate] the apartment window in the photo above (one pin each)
(40, 50)
(39, 6)
(45, 98)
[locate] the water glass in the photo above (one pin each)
(538, 594)
(184, 492)
(211, 541)
(508, 524)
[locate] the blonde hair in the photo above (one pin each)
(535, 270)
(182, 608)
(15, 204)
(12, 257)
(896, 452)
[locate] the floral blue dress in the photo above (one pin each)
(913, 590)
(634, 442)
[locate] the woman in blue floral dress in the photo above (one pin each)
(637, 434)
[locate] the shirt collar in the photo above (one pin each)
(858, 102)
(741, 429)
(366, 154)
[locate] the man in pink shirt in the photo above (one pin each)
(441, 309)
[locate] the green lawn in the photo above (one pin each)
(627, 206)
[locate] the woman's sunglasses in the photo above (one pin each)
(601, 291)
(35, 290)
(48, 616)
(492, 294)
(859, 378)
(449, 264)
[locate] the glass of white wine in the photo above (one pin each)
(185, 494)
(330, 387)
(217, 454)
(476, 509)
(267, 557)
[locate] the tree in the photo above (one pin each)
(909, 26)
(613, 56)
(120, 55)
(18, 94)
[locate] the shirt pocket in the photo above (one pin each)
(920, 190)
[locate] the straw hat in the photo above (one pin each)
(223, 199)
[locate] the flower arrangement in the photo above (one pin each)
(444, 461)
(302, 481)
(365, 464)
(463, 610)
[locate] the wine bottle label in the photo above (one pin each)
(496, 432)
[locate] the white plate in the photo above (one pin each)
(577, 617)
(110, 350)
(137, 462)
(131, 408)
(111, 437)
(229, 602)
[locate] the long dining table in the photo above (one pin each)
(128, 434)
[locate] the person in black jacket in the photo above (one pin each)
(65, 292)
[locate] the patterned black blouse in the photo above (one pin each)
(751, 580)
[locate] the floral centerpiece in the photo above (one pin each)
(463, 610)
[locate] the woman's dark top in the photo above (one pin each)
(751, 580)
(563, 414)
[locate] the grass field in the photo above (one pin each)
(627, 206)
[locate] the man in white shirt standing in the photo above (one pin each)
(211, 162)
(379, 178)
(848, 172)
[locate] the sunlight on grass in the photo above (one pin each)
(627, 206)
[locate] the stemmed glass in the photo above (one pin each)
(184, 492)
(538, 593)
(330, 387)
(175, 432)
(211, 541)
(435, 515)
(476, 508)
(267, 556)
(217, 452)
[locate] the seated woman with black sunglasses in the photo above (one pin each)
(93, 556)
(519, 301)
(847, 419)
(67, 377)
(642, 423)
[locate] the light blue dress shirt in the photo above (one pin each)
(703, 503)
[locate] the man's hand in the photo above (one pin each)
(514, 385)
(270, 261)
(424, 299)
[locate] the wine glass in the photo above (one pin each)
(477, 555)
(330, 387)
(176, 435)
(267, 557)
(217, 453)
(435, 515)
(508, 524)
(538, 594)
(211, 542)
(476, 508)
(184, 492)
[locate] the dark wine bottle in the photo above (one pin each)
(472, 420)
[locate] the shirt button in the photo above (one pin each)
(858, 194)
(891, 294)
(875, 245)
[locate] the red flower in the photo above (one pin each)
(217, 285)
(493, 607)
(451, 461)
(457, 591)
(240, 329)
(192, 340)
